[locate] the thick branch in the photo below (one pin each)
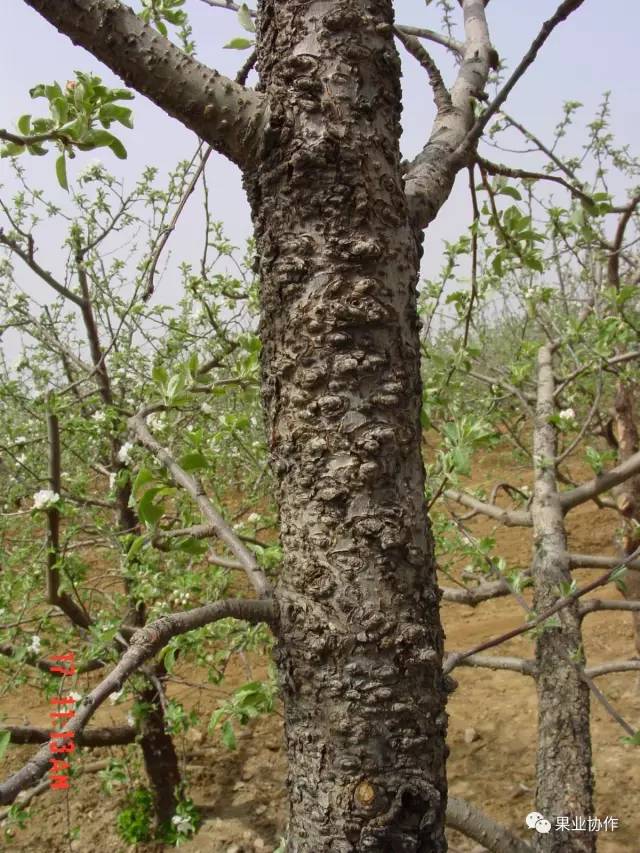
(114, 736)
(595, 561)
(225, 114)
(430, 176)
(611, 667)
(145, 643)
(602, 483)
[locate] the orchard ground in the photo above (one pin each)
(492, 728)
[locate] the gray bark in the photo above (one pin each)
(563, 766)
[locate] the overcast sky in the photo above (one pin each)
(595, 50)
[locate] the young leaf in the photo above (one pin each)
(239, 44)
(5, 739)
(244, 17)
(61, 172)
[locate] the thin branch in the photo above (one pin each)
(476, 595)
(510, 664)
(213, 517)
(613, 265)
(561, 14)
(510, 518)
(441, 94)
(525, 175)
(474, 823)
(455, 658)
(30, 261)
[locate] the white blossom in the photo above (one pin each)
(182, 824)
(45, 498)
(20, 440)
(99, 417)
(254, 518)
(155, 421)
(77, 697)
(567, 415)
(124, 454)
(92, 170)
(35, 644)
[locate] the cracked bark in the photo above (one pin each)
(360, 642)
(563, 765)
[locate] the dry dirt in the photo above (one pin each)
(492, 731)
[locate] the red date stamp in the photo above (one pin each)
(61, 741)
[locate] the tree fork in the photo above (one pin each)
(360, 643)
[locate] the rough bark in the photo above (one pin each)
(564, 778)
(360, 642)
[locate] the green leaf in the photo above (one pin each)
(510, 191)
(144, 476)
(192, 546)
(11, 149)
(114, 112)
(239, 44)
(150, 512)
(102, 138)
(5, 740)
(24, 125)
(228, 735)
(193, 461)
(244, 17)
(136, 546)
(159, 375)
(61, 171)
(38, 91)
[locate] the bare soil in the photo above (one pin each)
(492, 730)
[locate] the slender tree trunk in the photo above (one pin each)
(628, 494)
(564, 777)
(360, 641)
(160, 758)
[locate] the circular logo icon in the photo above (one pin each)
(532, 818)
